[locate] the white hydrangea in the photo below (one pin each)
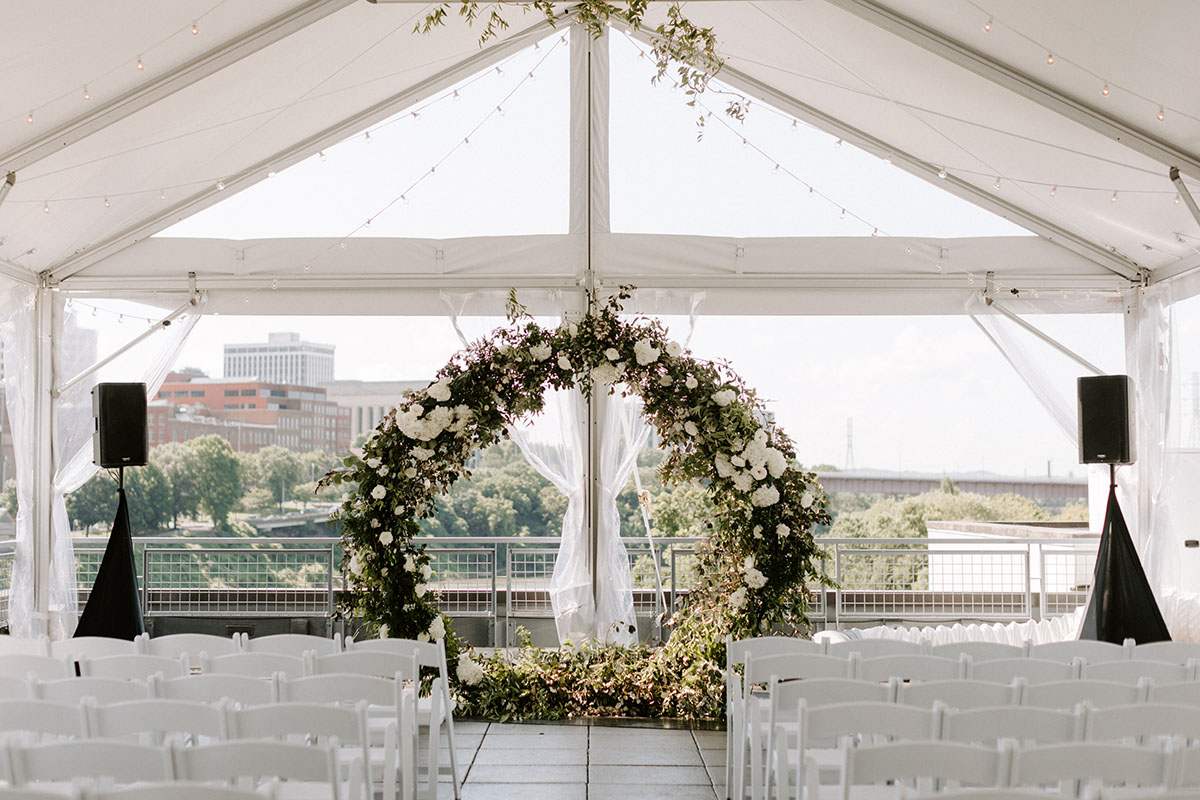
(611, 354)
(374, 463)
(738, 461)
(691, 382)
(743, 481)
(439, 391)
(755, 579)
(386, 538)
(738, 598)
(415, 424)
(645, 351)
(806, 499)
(765, 496)
(674, 349)
(437, 628)
(564, 362)
(690, 429)
(776, 462)
(724, 397)
(541, 352)
(782, 531)
(604, 374)
(379, 492)
(423, 453)
(468, 670)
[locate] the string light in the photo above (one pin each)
(86, 94)
(466, 141)
(500, 111)
(306, 268)
(942, 173)
(939, 266)
(416, 115)
(908, 251)
(1050, 58)
(220, 186)
(106, 203)
(271, 173)
(321, 155)
(1113, 199)
(195, 29)
(970, 278)
(162, 195)
(121, 318)
(987, 26)
(274, 283)
(1104, 90)
(46, 207)
(367, 137)
(775, 170)
(499, 71)
(1053, 191)
(1176, 199)
(996, 184)
(455, 95)
(1162, 114)
(140, 65)
(404, 199)
(843, 215)
(874, 233)
(342, 245)
(29, 118)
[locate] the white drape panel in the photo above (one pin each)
(623, 434)
(147, 363)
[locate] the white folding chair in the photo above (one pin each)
(1073, 766)
(254, 665)
(431, 655)
(178, 790)
(93, 647)
(964, 693)
(737, 653)
(873, 648)
(103, 759)
(102, 690)
(1143, 722)
(132, 667)
(1134, 670)
(1174, 652)
(1182, 693)
(1187, 775)
(926, 764)
(339, 725)
(15, 688)
(820, 729)
(191, 645)
(1026, 724)
(152, 721)
(292, 644)
(45, 720)
(1087, 649)
(1068, 694)
(913, 667)
(24, 646)
(395, 707)
(1031, 670)
(306, 771)
(750, 756)
(981, 651)
(44, 668)
(211, 688)
(10, 793)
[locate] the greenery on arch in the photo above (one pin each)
(754, 566)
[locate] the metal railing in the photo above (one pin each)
(505, 579)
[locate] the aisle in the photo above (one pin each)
(577, 762)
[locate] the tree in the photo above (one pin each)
(93, 502)
(149, 495)
(219, 477)
(258, 500)
(278, 471)
(315, 463)
(177, 462)
(9, 498)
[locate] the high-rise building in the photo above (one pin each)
(283, 359)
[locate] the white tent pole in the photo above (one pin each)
(208, 63)
(956, 52)
(142, 229)
(10, 180)
(162, 324)
(1185, 193)
(43, 474)
(1045, 337)
(18, 273)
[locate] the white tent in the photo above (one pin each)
(1044, 115)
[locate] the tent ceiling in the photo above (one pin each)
(266, 84)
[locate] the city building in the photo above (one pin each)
(284, 358)
(302, 416)
(368, 401)
(167, 422)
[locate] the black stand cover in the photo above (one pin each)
(113, 608)
(1122, 604)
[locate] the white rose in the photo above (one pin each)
(356, 564)
(604, 374)
(541, 352)
(437, 628)
(760, 436)
(748, 563)
(691, 382)
(690, 429)
(743, 481)
(409, 563)
(757, 531)
(469, 671)
(573, 329)
(755, 579)
(423, 453)
(439, 391)
(782, 531)
(411, 472)
(724, 467)
(758, 473)
(375, 524)
(398, 511)
(385, 538)
(426, 571)
(776, 462)
(421, 590)
(724, 397)
(374, 463)
(379, 492)
(806, 499)
(674, 349)
(765, 496)
(611, 354)
(738, 461)
(738, 598)
(383, 630)
(422, 637)
(645, 351)
(382, 472)
(564, 362)
(666, 380)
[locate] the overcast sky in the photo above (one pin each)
(925, 393)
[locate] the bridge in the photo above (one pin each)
(878, 481)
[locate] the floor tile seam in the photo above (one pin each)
(699, 752)
(587, 773)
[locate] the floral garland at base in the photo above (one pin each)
(754, 567)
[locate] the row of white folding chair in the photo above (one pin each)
(171, 645)
(176, 790)
(301, 767)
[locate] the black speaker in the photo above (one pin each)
(1105, 409)
(120, 437)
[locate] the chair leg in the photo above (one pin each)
(453, 744)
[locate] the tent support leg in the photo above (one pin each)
(43, 458)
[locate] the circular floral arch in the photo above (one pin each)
(760, 553)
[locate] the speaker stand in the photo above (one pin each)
(114, 607)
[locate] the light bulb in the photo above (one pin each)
(996, 184)
(744, 142)
(939, 266)
(245, 299)
(404, 199)
(888, 158)
(106, 203)
(1104, 90)
(416, 115)
(93, 311)
(1113, 199)
(342, 245)
(942, 172)
(29, 118)
(46, 207)
(368, 223)
(838, 142)
(529, 77)
(987, 26)
(367, 137)
(1053, 191)
(466, 141)
(500, 111)
(270, 173)
(195, 29)
(86, 94)
(220, 186)
(1162, 114)
(875, 233)
(455, 95)
(121, 318)
(162, 194)
(140, 65)
(775, 170)
(970, 279)
(499, 71)
(433, 169)
(306, 267)
(1176, 199)
(274, 283)
(795, 124)
(908, 251)
(843, 215)
(1050, 58)
(321, 155)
